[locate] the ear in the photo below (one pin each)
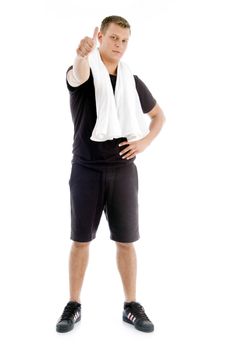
(100, 36)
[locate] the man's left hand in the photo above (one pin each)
(134, 147)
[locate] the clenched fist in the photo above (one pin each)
(87, 44)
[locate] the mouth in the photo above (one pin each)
(115, 51)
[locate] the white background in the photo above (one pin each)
(182, 50)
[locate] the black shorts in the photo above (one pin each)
(114, 190)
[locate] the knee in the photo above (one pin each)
(125, 246)
(80, 245)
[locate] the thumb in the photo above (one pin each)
(94, 38)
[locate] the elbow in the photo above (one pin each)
(163, 119)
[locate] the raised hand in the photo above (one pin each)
(87, 44)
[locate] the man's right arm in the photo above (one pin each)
(81, 69)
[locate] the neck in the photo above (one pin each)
(110, 65)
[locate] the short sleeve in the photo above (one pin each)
(146, 98)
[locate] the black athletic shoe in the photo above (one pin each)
(135, 314)
(71, 315)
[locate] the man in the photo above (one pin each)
(103, 175)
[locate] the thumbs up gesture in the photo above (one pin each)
(87, 44)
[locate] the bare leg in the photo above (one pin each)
(78, 261)
(127, 266)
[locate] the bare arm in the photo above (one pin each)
(157, 121)
(81, 69)
(135, 147)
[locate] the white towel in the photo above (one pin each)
(118, 115)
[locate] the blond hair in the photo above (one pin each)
(120, 21)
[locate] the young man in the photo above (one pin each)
(106, 101)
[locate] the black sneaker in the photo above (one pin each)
(135, 314)
(71, 315)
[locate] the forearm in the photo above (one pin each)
(156, 125)
(81, 69)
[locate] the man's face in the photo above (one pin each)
(114, 41)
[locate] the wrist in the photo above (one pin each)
(80, 58)
(148, 138)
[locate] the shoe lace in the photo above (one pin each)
(139, 312)
(68, 312)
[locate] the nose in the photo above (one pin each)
(119, 45)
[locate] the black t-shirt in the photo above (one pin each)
(96, 154)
